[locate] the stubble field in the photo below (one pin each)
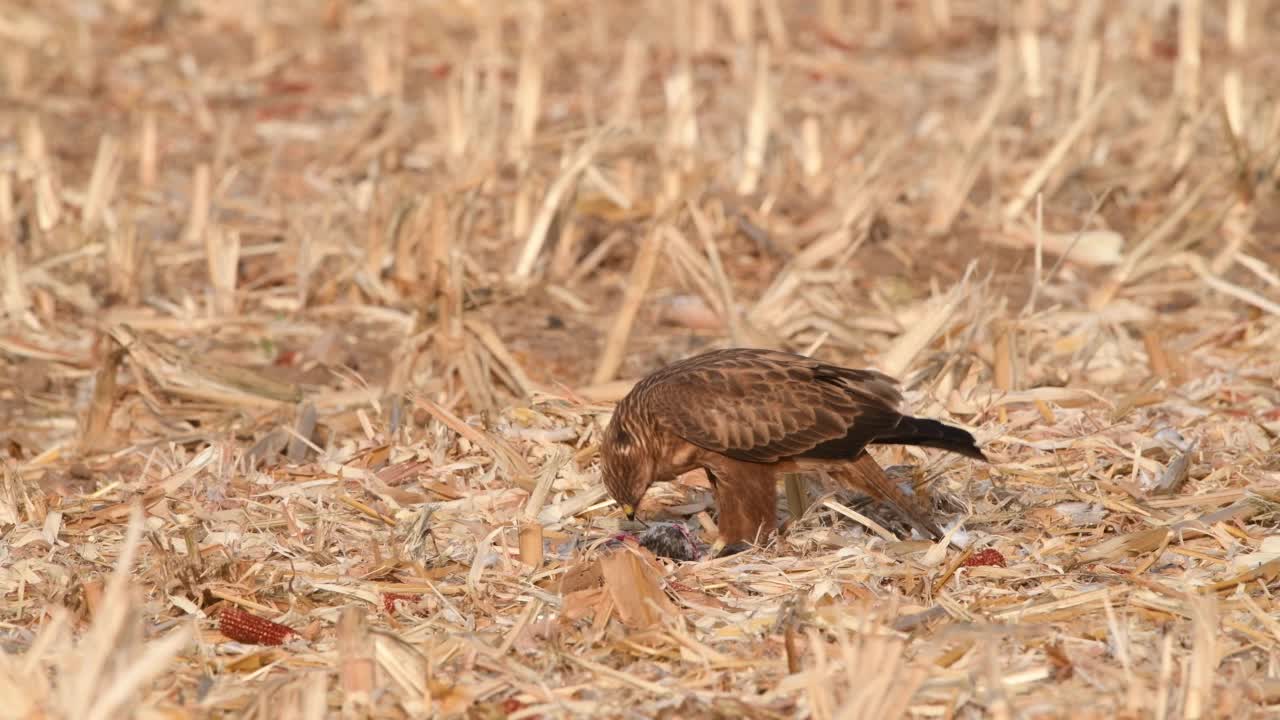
(312, 313)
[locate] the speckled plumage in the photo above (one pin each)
(746, 415)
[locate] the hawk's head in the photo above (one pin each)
(625, 465)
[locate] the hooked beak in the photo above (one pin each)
(630, 512)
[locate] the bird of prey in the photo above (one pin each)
(748, 416)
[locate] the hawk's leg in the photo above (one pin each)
(734, 549)
(747, 500)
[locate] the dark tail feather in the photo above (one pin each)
(932, 434)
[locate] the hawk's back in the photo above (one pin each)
(765, 405)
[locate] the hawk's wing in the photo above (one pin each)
(763, 406)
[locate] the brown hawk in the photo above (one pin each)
(747, 416)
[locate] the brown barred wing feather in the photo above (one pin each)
(766, 406)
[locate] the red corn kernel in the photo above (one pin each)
(989, 556)
(248, 628)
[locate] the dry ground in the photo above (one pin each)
(312, 310)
